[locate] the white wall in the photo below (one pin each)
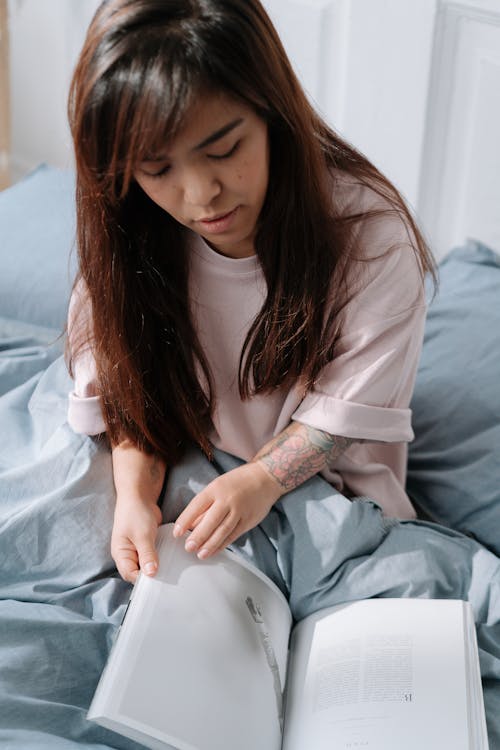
(413, 85)
(460, 184)
(345, 52)
(366, 65)
(45, 38)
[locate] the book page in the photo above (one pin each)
(380, 674)
(477, 725)
(201, 659)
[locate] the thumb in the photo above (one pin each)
(148, 559)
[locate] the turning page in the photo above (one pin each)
(201, 658)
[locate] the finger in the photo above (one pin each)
(216, 541)
(127, 565)
(239, 529)
(195, 523)
(148, 558)
(192, 513)
(213, 518)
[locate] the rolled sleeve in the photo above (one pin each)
(84, 403)
(350, 419)
(365, 391)
(85, 414)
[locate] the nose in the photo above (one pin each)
(201, 187)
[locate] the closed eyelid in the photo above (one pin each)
(158, 173)
(229, 152)
(163, 167)
(212, 139)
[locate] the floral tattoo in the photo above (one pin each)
(299, 452)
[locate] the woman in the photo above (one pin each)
(247, 279)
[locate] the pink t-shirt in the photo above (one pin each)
(363, 393)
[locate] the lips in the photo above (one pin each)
(209, 219)
(219, 222)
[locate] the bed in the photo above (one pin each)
(61, 599)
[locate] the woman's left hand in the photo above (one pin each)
(230, 505)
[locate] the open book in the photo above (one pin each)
(207, 658)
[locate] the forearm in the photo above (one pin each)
(137, 474)
(300, 452)
(241, 498)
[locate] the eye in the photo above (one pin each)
(144, 168)
(227, 154)
(154, 175)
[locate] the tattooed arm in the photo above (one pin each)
(138, 479)
(299, 452)
(239, 500)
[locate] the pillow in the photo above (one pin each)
(37, 234)
(454, 461)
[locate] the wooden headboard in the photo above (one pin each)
(4, 97)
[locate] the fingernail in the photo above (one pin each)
(177, 529)
(150, 568)
(190, 546)
(203, 553)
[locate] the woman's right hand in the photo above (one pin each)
(133, 537)
(138, 479)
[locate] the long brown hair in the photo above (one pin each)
(142, 66)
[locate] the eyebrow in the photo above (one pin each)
(216, 136)
(219, 134)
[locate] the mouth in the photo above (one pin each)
(217, 217)
(219, 222)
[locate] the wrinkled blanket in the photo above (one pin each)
(61, 599)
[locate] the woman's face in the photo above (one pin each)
(213, 176)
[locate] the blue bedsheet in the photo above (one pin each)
(61, 599)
